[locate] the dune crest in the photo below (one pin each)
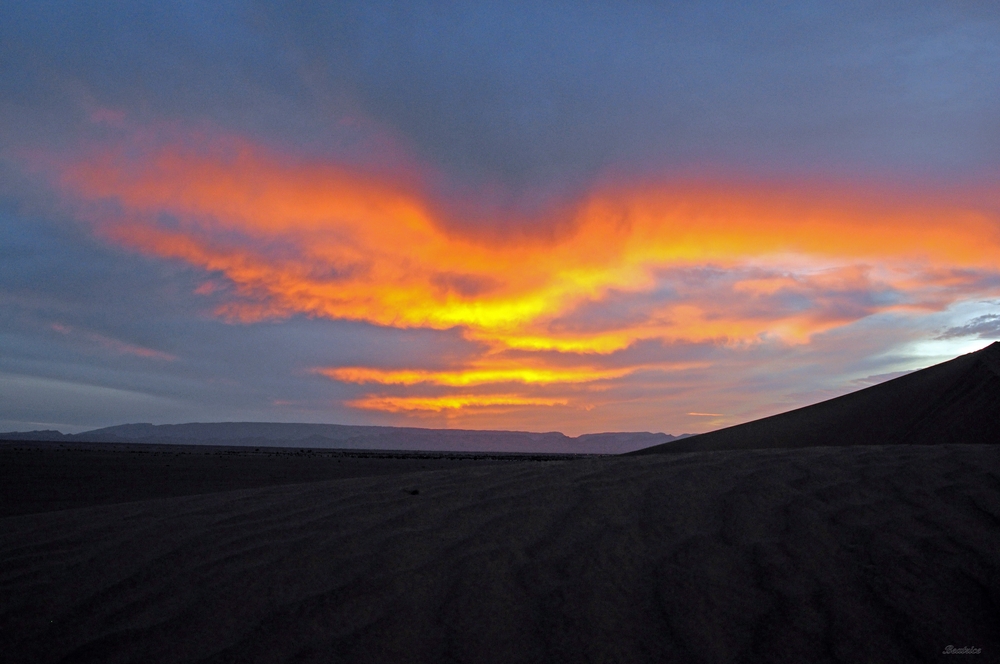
(956, 402)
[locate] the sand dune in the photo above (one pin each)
(953, 402)
(851, 554)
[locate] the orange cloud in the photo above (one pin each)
(451, 402)
(472, 376)
(691, 262)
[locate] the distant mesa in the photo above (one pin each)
(953, 402)
(50, 435)
(337, 436)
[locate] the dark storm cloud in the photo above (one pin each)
(80, 70)
(520, 104)
(518, 94)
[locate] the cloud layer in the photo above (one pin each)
(674, 262)
(545, 216)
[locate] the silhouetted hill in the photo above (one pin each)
(337, 436)
(953, 402)
(49, 435)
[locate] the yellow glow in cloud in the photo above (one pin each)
(320, 240)
(471, 376)
(451, 402)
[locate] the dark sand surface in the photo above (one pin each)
(42, 477)
(848, 554)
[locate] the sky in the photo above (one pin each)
(576, 217)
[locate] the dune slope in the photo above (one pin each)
(953, 402)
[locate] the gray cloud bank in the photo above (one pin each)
(519, 104)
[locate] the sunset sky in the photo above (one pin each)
(578, 217)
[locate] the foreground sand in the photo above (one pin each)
(866, 554)
(42, 477)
